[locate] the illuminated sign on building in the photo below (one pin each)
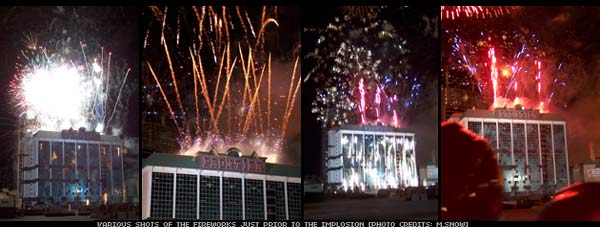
(229, 163)
(80, 135)
(519, 145)
(517, 114)
(432, 172)
(593, 172)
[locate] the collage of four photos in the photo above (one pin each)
(287, 113)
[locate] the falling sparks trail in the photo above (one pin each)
(493, 74)
(173, 76)
(165, 97)
(474, 12)
(229, 89)
(506, 69)
(118, 96)
(357, 81)
(361, 87)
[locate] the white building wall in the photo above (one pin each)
(403, 172)
(147, 183)
(30, 148)
(28, 161)
(465, 122)
(146, 191)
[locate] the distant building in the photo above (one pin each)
(458, 100)
(588, 171)
(158, 137)
(132, 188)
(219, 186)
(72, 167)
(460, 92)
(531, 147)
(428, 175)
(370, 157)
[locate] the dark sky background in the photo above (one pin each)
(116, 28)
(416, 26)
(569, 35)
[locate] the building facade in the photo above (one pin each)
(588, 171)
(72, 167)
(370, 157)
(219, 186)
(531, 147)
(158, 135)
(428, 175)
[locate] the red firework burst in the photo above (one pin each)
(478, 12)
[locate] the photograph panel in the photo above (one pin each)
(71, 111)
(221, 114)
(370, 112)
(518, 91)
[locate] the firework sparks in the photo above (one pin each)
(362, 73)
(54, 92)
(232, 93)
(38, 87)
(477, 12)
(493, 74)
(507, 67)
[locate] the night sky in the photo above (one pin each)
(412, 24)
(568, 36)
(116, 28)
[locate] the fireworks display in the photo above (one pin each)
(507, 68)
(542, 58)
(476, 12)
(362, 72)
(210, 70)
(60, 85)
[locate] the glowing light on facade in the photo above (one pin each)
(368, 158)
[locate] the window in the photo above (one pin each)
(186, 197)
(254, 195)
(117, 173)
(294, 201)
(519, 154)
(161, 205)
(475, 127)
(57, 172)
(546, 152)
(70, 172)
(44, 169)
(504, 153)
(210, 198)
(232, 198)
(94, 161)
(560, 155)
(105, 169)
(533, 155)
(275, 201)
(489, 132)
(82, 171)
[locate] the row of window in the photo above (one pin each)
(525, 141)
(186, 197)
(67, 171)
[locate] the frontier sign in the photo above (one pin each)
(230, 163)
(517, 114)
